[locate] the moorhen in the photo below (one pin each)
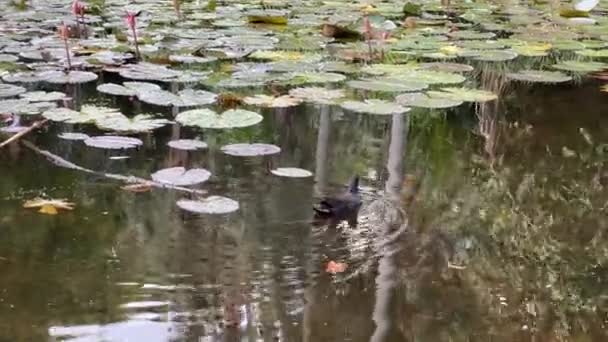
(342, 207)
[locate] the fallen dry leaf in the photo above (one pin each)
(48, 206)
(137, 187)
(335, 267)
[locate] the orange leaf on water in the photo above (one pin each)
(335, 267)
(137, 187)
(48, 209)
(48, 206)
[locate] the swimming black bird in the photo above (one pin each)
(342, 207)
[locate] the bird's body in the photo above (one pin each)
(341, 207)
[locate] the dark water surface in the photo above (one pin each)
(484, 223)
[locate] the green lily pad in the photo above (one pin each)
(464, 94)
(291, 172)
(9, 90)
(214, 205)
(539, 76)
(206, 118)
(387, 85)
(250, 150)
(113, 142)
(429, 77)
(424, 101)
(580, 66)
(179, 176)
(187, 144)
(87, 114)
(593, 53)
(447, 67)
(115, 90)
(495, 56)
(272, 102)
(73, 136)
(316, 78)
(25, 107)
(373, 106)
(71, 77)
(43, 96)
(138, 123)
(317, 95)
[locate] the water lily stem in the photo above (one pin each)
(137, 54)
(22, 133)
(67, 52)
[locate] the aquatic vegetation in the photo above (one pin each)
(113, 142)
(187, 144)
(207, 118)
(372, 106)
(539, 76)
(250, 150)
(49, 206)
(180, 176)
(291, 172)
(216, 205)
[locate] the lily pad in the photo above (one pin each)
(580, 66)
(272, 102)
(424, 101)
(71, 77)
(373, 106)
(87, 114)
(593, 53)
(179, 176)
(428, 77)
(317, 94)
(23, 77)
(187, 144)
(25, 107)
(387, 85)
(194, 98)
(291, 172)
(211, 205)
(464, 94)
(138, 123)
(113, 142)
(43, 96)
(115, 89)
(539, 76)
(447, 67)
(250, 150)
(315, 78)
(206, 118)
(495, 56)
(9, 90)
(159, 98)
(73, 136)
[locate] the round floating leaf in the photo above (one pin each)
(471, 35)
(179, 176)
(24, 107)
(43, 96)
(387, 85)
(272, 102)
(373, 106)
(495, 56)
(206, 118)
(580, 66)
(315, 77)
(194, 98)
(464, 94)
(593, 53)
(429, 77)
(73, 136)
(87, 114)
(317, 94)
(292, 172)
(9, 90)
(71, 77)
(159, 98)
(250, 150)
(23, 77)
(148, 72)
(447, 67)
(532, 50)
(210, 205)
(390, 69)
(187, 144)
(115, 89)
(141, 87)
(188, 59)
(586, 5)
(113, 142)
(4, 58)
(139, 123)
(539, 76)
(424, 101)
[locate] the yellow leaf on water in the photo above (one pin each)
(48, 206)
(48, 209)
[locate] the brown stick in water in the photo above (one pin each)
(22, 133)
(57, 160)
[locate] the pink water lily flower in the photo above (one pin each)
(131, 19)
(78, 8)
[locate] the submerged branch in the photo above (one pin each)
(22, 133)
(57, 160)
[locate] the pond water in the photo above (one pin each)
(482, 221)
(522, 223)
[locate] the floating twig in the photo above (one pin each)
(22, 133)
